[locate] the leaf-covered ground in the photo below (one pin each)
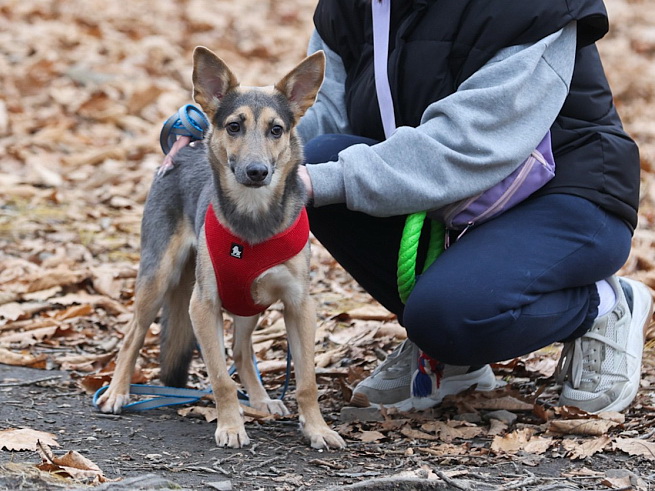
(84, 88)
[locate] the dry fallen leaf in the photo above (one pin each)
(11, 311)
(572, 412)
(582, 472)
(590, 427)
(74, 311)
(8, 357)
(452, 430)
(446, 449)
(18, 439)
(636, 446)
(617, 482)
(492, 400)
(28, 338)
(417, 434)
(586, 448)
(497, 427)
(256, 414)
(538, 445)
(72, 464)
(368, 312)
(370, 436)
(520, 440)
(512, 442)
(208, 413)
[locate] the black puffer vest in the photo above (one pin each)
(434, 45)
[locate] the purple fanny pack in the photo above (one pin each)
(530, 176)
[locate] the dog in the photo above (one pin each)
(242, 179)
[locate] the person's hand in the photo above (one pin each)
(304, 176)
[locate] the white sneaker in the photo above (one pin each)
(602, 369)
(391, 383)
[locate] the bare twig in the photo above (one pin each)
(521, 484)
(199, 468)
(387, 483)
(108, 416)
(264, 463)
(451, 482)
(30, 382)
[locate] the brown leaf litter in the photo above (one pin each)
(84, 88)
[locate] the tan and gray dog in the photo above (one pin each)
(247, 170)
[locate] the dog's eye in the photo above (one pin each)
(276, 131)
(233, 128)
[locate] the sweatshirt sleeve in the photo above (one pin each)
(328, 114)
(466, 142)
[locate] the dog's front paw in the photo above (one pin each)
(324, 438)
(112, 401)
(231, 436)
(270, 406)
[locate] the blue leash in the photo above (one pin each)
(173, 396)
(187, 121)
(165, 396)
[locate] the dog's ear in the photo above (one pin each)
(212, 79)
(301, 84)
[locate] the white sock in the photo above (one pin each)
(607, 297)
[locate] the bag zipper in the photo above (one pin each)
(509, 192)
(457, 208)
(535, 158)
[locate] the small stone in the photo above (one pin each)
(502, 415)
(220, 485)
(634, 479)
(351, 414)
(469, 417)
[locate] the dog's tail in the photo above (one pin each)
(177, 339)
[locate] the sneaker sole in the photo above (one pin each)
(484, 378)
(640, 296)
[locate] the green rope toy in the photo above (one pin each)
(409, 251)
(423, 383)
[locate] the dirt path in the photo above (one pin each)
(159, 448)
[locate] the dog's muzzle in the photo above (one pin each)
(255, 174)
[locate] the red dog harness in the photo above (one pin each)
(237, 263)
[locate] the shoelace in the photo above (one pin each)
(569, 366)
(394, 362)
(572, 362)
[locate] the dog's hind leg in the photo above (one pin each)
(148, 301)
(177, 340)
(159, 271)
(243, 358)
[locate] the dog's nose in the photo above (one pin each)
(257, 172)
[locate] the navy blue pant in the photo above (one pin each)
(507, 287)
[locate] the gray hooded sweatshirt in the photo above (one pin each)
(466, 142)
